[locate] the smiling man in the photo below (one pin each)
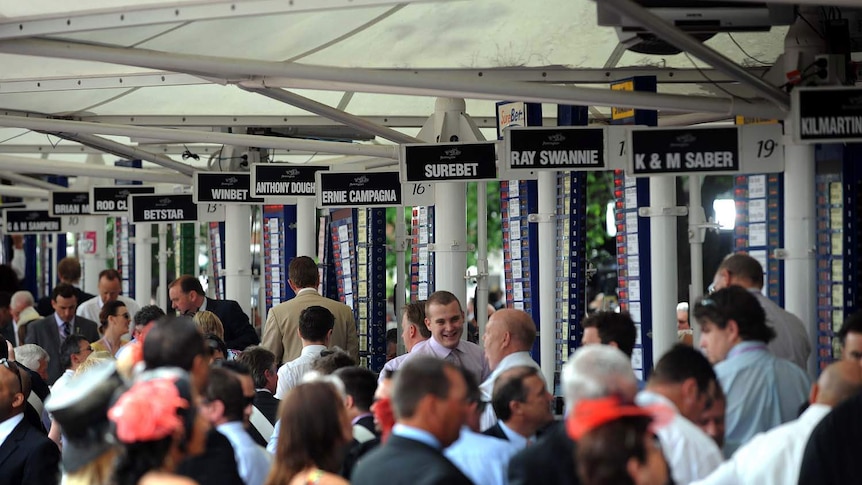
(444, 317)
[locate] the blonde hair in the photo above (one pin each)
(96, 472)
(209, 322)
(93, 360)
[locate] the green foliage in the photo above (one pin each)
(599, 192)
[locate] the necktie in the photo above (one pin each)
(67, 329)
(454, 358)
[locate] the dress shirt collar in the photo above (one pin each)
(6, 427)
(515, 438)
(234, 428)
(313, 349)
(357, 418)
(647, 398)
(60, 322)
(263, 389)
(746, 346)
(439, 350)
(416, 434)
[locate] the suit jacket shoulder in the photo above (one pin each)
(28, 456)
(217, 466)
(550, 460)
(403, 461)
(496, 431)
(238, 332)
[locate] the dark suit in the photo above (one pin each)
(8, 332)
(28, 456)
(45, 334)
(550, 460)
(496, 431)
(402, 461)
(216, 466)
(44, 306)
(355, 450)
(238, 332)
(267, 404)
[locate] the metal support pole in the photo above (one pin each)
(143, 263)
(36, 165)
(450, 239)
(696, 235)
(237, 265)
(162, 295)
(663, 263)
(547, 274)
(371, 80)
(124, 151)
(480, 306)
(684, 41)
(334, 114)
(306, 225)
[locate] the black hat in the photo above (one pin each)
(81, 409)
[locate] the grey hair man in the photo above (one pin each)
(592, 371)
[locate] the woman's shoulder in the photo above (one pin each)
(159, 478)
(318, 477)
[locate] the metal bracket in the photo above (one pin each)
(541, 218)
(780, 254)
(663, 211)
(453, 248)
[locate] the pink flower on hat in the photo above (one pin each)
(148, 411)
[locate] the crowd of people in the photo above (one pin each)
(134, 396)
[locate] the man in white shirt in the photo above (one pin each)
(110, 286)
(414, 332)
(226, 406)
(774, 457)
(683, 380)
(509, 336)
(315, 331)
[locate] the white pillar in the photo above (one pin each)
(480, 306)
(237, 263)
(696, 233)
(801, 44)
(547, 188)
(450, 239)
(663, 265)
(306, 224)
(162, 295)
(800, 274)
(143, 263)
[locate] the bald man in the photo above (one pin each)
(774, 457)
(509, 336)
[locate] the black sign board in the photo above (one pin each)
(555, 148)
(283, 180)
(358, 189)
(113, 199)
(828, 115)
(441, 163)
(688, 150)
(24, 221)
(164, 208)
(224, 188)
(69, 203)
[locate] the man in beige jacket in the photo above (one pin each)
(280, 331)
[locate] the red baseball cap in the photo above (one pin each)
(589, 414)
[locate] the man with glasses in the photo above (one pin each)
(73, 352)
(26, 455)
(51, 331)
(850, 336)
(762, 390)
(791, 340)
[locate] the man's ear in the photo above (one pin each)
(507, 338)
(349, 402)
(428, 323)
(732, 328)
(689, 390)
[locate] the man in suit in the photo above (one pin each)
(48, 332)
(592, 371)
(68, 272)
(360, 384)
(264, 374)
(26, 455)
(430, 400)
(280, 331)
(523, 404)
(188, 297)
